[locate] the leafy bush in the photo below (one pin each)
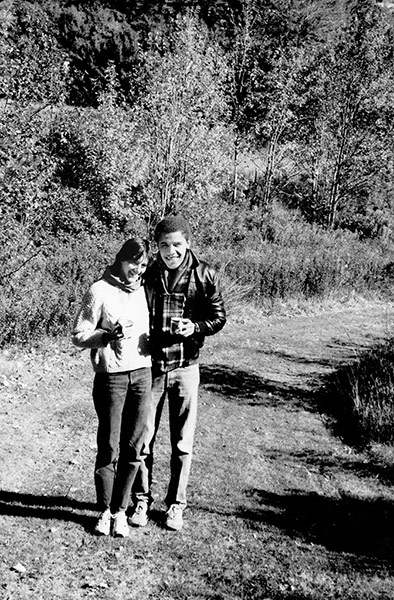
(99, 162)
(42, 286)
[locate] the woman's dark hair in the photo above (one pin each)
(133, 249)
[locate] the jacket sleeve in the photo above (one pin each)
(86, 333)
(214, 314)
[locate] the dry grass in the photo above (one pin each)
(279, 508)
(361, 396)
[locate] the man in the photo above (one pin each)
(185, 305)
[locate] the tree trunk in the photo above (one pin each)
(336, 178)
(235, 170)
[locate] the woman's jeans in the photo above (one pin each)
(181, 388)
(122, 402)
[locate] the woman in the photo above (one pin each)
(113, 321)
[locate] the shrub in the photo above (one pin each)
(297, 260)
(42, 286)
(360, 397)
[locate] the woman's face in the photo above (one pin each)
(132, 270)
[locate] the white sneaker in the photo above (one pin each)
(103, 525)
(120, 527)
(174, 518)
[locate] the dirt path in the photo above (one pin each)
(303, 479)
(294, 511)
(295, 348)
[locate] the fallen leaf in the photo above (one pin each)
(19, 568)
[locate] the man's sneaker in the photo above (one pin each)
(120, 527)
(174, 518)
(139, 517)
(103, 525)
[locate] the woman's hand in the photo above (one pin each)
(114, 335)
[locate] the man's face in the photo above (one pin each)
(173, 247)
(132, 270)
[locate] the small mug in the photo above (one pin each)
(174, 326)
(126, 327)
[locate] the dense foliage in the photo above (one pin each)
(237, 114)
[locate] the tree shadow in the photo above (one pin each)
(362, 466)
(60, 508)
(246, 388)
(328, 393)
(304, 360)
(347, 524)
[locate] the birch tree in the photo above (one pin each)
(345, 123)
(183, 122)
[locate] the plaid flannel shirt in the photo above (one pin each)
(170, 354)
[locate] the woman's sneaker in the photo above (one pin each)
(139, 518)
(120, 527)
(103, 525)
(174, 518)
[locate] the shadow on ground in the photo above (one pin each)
(60, 508)
(328, 392)
(306, 372)
(362, 465)
(346, 524)
(246, 388)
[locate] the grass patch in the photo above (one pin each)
(300, 261)
(278, 508)
(360, 397)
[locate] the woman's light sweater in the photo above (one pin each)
(106, 304)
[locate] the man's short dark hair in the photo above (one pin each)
(171, 224)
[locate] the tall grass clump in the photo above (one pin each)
(296, 260)
(360, 397)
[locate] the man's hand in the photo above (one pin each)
(185, 328)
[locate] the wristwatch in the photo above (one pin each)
(196, 328)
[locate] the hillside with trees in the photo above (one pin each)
(269, 124)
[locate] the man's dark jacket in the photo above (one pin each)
(204, 305)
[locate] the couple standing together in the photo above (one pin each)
(145, 325)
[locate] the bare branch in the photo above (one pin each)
(11, 273)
